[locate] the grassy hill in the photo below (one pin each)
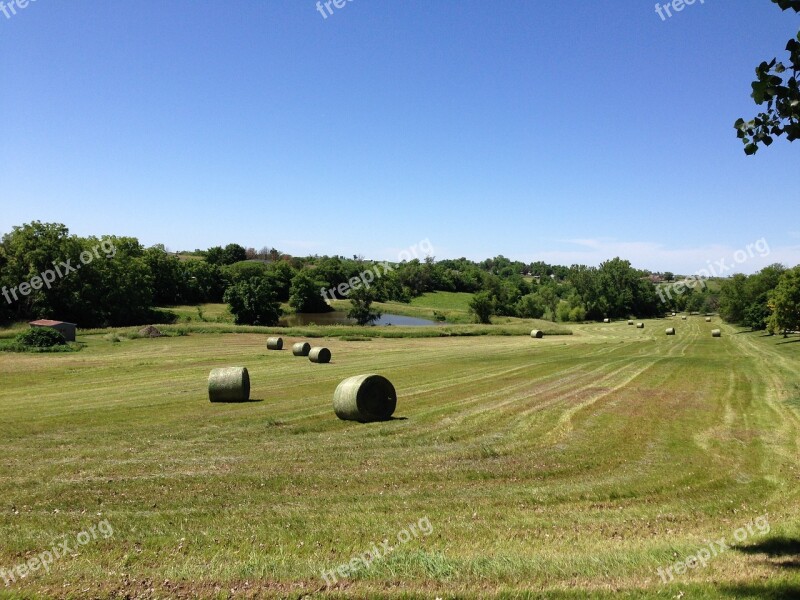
(566, 467)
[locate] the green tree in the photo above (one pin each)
(233, 253)
(204, 282)
(361, 299)
(548, 297)
(167, 274)
(530, 306)
(482, 307)
(280, 275)
(214, 255)
(781, 97)
(253, 302)
(114, 291)
(31, 249)
(733, 298)
(785, 303)
(306, 294)
(104, 289)
(577, 314)
(757, 314)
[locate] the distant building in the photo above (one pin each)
(65, 329)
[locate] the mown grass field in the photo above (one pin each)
(566, 467)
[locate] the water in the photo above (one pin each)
(339, 317)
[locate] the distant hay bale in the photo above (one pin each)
(670, 331)
(708, 319)
(640, 325)
(536, 333)
(319, 355)
(683, 317)
(229, 384)
(275, 343)
(673, 314)
(301, 349)
(716, 333)
(606, 320)
(150, 332)
(365, 398)
(630, 322)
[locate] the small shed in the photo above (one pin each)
(65, 329)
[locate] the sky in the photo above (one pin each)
(569, 132)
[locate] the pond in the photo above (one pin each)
(339, 317)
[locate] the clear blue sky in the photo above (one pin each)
(562, 131)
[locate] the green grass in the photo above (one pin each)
(452, 307)
(444, 300)
(516, 327)
(566, 467)
(211, 313)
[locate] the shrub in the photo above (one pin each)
(482, 307)
(577, 314)
(41, 337)
(563, 311)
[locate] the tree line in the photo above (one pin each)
(768, 300)
(127, 288)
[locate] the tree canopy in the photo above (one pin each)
(784, 303)
(776, 88)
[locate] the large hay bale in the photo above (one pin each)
(708, 319)
(365, 398)
(301, 349)
(640, 325)
(630, 322)
(716, 333)
(606, 320)
(536, 333)
(275, 343)
(670, 331)
(683, 317)
(319, 355)
(229, 384)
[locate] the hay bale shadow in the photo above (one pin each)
(249, 401)
(775, 547)
(778, 591)
(389, 420)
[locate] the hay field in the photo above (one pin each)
(566, 467)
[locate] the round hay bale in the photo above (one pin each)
(275, 343)
(683, 317)
(716, 333)
(670, 331)
(319, 355)
(640, 325)
(301, 349)
(229, 384)
(630, 322)
(606, 320)
(673, 314)
(365, 398)
(537, 334)
(708, 319)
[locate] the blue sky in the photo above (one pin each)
(561, 131)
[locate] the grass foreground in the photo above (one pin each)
(565, 467)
